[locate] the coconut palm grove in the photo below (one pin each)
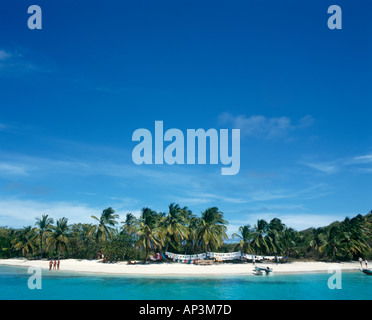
(181, 231)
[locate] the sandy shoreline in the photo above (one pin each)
(165, 268)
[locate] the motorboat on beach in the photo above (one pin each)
(366, 271)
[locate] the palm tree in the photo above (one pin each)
(129, 225)
(275, 233)
(175, 225)
(245, 236)
(24, 241)
(330, 242)
(60, 236)
(354, 240)
(81, 243)
(276, 224)
(105, 228)
(316, 242)
(212, 229)
(289, 240)
(43, 226)
(260, 240)
(149, 231)
(193, 227)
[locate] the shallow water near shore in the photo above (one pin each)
(60, 285)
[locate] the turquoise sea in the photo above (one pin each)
(60, 285)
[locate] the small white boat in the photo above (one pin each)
(260, 271)
(257, 272)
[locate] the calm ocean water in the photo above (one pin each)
(61, 285)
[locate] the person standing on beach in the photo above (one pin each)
(54, 264)
(366, 263)
(361, 261)
(50, 264)
(58, 264)
(254, 260)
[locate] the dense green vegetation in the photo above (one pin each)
(180, 231)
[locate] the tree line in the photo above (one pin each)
(181, 231)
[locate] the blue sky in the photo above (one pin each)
(72, 94)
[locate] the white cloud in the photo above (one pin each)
(363, 159)
(297, 221)
(269, 194)
(265, 195)
(198, 197)
(355, 163)
(324, 167)
(14, 62)
(263, 127)
(4, 55)
(19, 213)
(11, 169)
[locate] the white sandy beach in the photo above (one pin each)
(165, 268)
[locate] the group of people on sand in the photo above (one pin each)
(54, 264)
(102, 257)
(365, 262)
